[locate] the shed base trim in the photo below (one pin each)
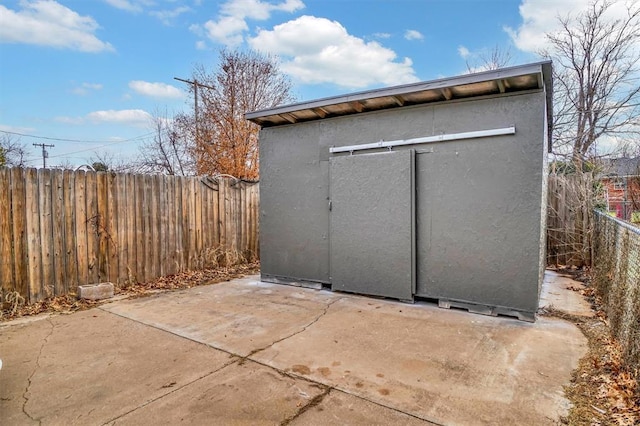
(493, 311)
(291, 281)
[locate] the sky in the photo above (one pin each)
(87, 75)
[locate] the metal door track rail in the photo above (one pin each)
(427, 139)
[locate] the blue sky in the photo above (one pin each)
(91, 72)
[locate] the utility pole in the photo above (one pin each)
(45, 154)
(195, 85)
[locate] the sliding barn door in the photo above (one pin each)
(372, 236)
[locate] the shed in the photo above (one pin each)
(433, 190)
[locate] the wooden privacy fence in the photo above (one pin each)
(60, 229)
(570, 219)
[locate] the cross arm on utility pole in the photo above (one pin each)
(45, 154)
(195, 83)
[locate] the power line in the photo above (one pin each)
(71, 140)
(93, 148)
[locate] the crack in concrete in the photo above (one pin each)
(30, 378)
(312, 403)
(430, 421)
(241, 359)
(144, 404)
(302, 330)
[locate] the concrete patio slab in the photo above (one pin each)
(92, 366)
(19, 350)
(563, 292)
(241, 316)
(249, 394)
(444, 366)
(245, 352)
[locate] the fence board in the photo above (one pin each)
(6, 233)
(153, 234)
(102, 233)
(112, 229)
(46, 230)
(162, 206)
(61, 229)
(222, 222)
(146, 226)
(177, 218)
(197, 210)
(19, 234)
(185, 220)
(138, 185)
(121, 251)
(81, 227)
(70, 246)
(130, 224)
(59, 283)
(170, 217)
(215, 207)
(93, 244)
(34, 252)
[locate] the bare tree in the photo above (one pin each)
(12, 152)
(244, 81)
(106, 161)
(493, 59)
(597, 75)
(170, 151)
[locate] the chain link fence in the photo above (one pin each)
(617, 280)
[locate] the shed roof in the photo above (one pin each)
(535, 76)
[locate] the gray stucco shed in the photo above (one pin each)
(433, 190)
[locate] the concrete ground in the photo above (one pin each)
(245, 352)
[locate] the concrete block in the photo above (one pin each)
(95, 291)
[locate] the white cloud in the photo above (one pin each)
(227, 30)
(134, 6)
(127, 5)
(413, 35)
(259, 10)
(69, 120)
(85, 88)
(128, 117)
(48, 23)
(382, 35)
(231, 24)
(322, 51)
(201, 45)
(16, 129)
(540, 17)
(134, 117)
(463, 52)
(166, 16)
(155, 90)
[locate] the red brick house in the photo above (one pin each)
(621, 182)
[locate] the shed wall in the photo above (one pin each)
(478, 201)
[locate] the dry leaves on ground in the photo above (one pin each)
(602, 390)
(184, 280)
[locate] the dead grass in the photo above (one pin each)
(69, 303)
(602, 390)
